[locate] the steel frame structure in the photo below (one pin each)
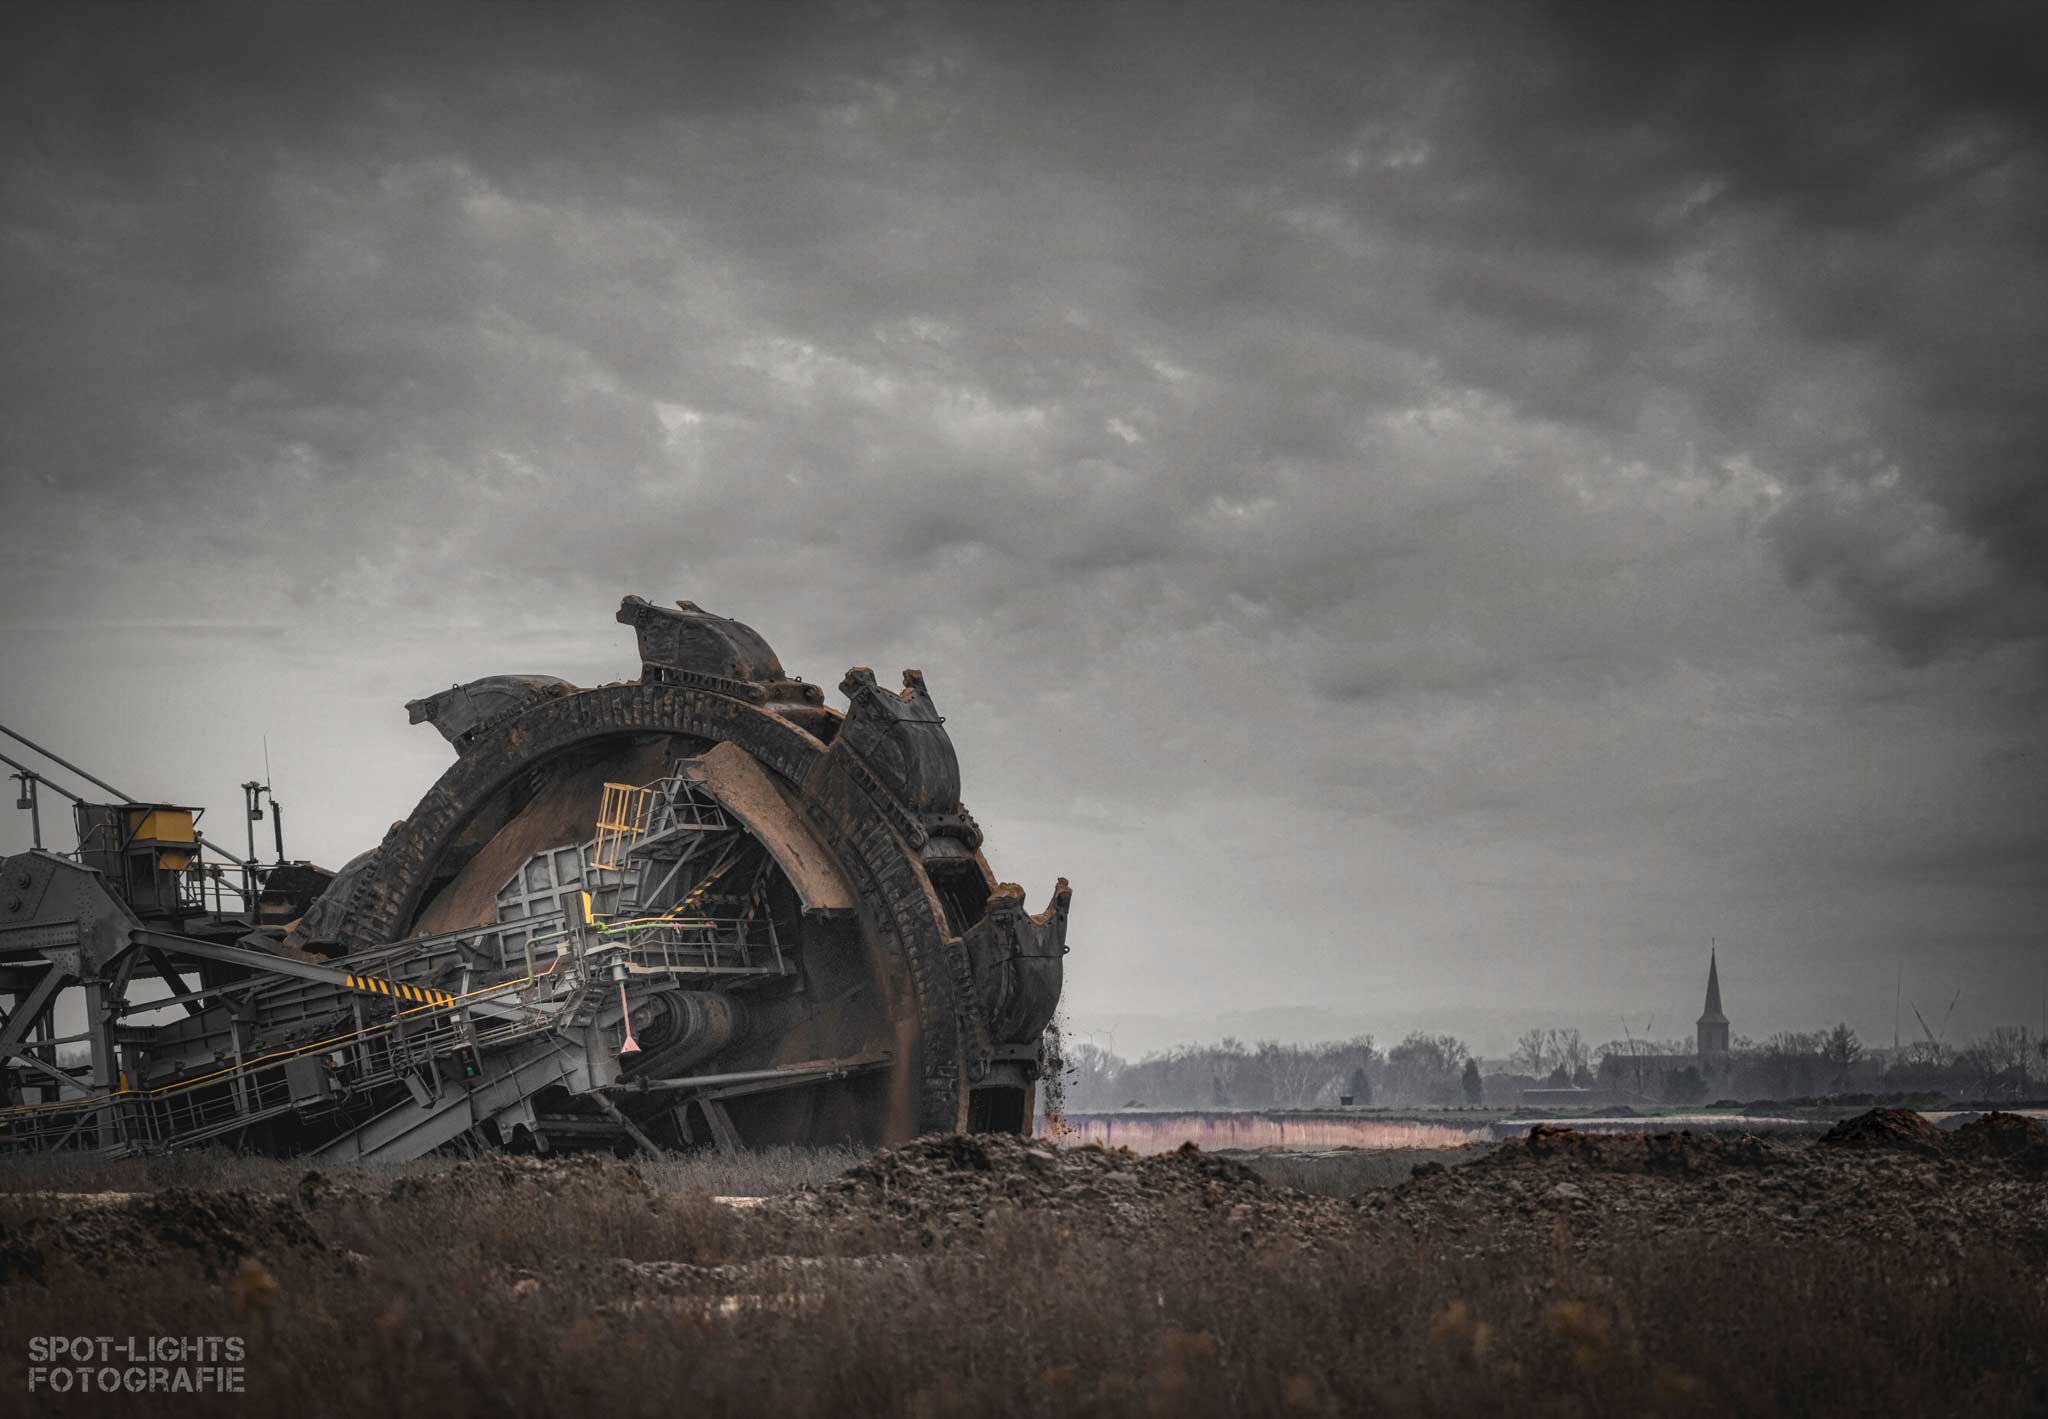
(797, 904)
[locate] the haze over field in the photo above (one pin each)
(1426, 515)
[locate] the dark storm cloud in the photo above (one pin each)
(1878, 185)
(355, 233)
(1588, 439)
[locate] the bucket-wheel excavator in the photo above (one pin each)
(700, 907)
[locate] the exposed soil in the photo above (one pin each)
(576, 1174)
(942, 1190)
(1563, 1274)
(217, 1229)
(2013, 1137)
(1899, 1129)
(1886, 1178)
(1687, 1153)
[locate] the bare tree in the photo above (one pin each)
(1929, 1054)
(1790, 1060)
(1545, 1051)
(2010, 1045)
(1226, 1064)
(1532, 1054)
(1567, 1051)
(1424, 1069)
(2007, 1049)
(1292, 1070)
(1980, 1065)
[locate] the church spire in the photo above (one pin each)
(1713, 1025)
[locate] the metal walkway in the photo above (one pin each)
(391, 1051)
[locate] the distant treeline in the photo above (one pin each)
(1422, 1069)
(1440, 1070)
(2008, 1062)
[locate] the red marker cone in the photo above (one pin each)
(631, 1046)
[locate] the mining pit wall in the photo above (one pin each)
(1162, 1131)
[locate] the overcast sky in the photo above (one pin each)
(1425, 515)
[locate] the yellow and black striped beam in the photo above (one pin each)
(398, 990)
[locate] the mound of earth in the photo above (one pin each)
(2002, 1135)
(1899, 1129)
(946, 1186)
(218, 1229)
(1633, 1152)
(1565, 1188)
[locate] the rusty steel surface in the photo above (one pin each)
(902, 943)
(745, 789)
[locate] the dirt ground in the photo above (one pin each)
(1887, 1265)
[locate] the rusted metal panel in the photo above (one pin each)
(464, 713)
(560, 811)
(736, 779)
(1018, 961)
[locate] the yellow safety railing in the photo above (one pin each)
(621, 821)
(274, 1058)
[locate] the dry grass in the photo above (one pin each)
(435, 1314)
(431, 1317)
(757, 1173)
(1038, 1324)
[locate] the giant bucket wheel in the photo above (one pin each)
(825, 852)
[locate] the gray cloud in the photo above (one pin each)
(1587, 453)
